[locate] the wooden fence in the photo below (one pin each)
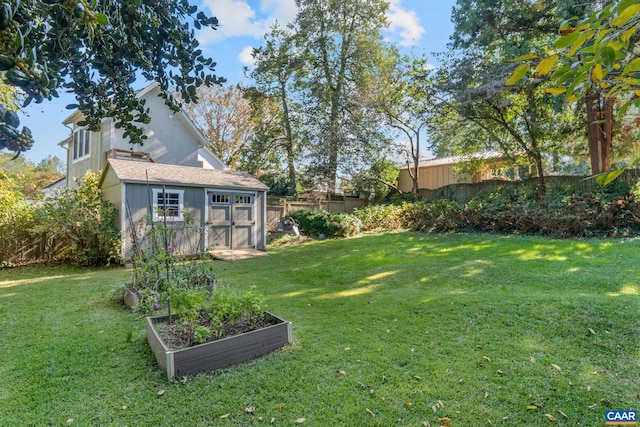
(279, 207)
(464, 192)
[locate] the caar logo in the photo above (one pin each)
(621, 418)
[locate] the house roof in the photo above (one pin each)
(158, 173)
(452, 160)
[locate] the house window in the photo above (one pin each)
(244, 199)
(219, 198)
(168, 205)
(81, 144)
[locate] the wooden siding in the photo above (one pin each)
(185, 239)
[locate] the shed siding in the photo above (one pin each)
(183, 236)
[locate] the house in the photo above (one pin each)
(172, 180)
(440, 172)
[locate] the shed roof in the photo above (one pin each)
(158, 173)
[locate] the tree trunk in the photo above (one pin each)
(599, 132)
(416, 166)
(290, 148)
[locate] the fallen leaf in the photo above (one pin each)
(490, 423)
(445, 421)
(593, 406)
(592, 331)
(505, 419)
(486, 358)
(343, 373)
(556, 367)
(532, 407)
(124, 406)
(273, 420)
(562, 413)
(347, 348)
(260, 418)
(318, 388)
(161, 392)
(184, 380)
(300, 420)
(588, 388)
(250, 410)
(282, 406)
(486, 394)
(225, 416)
(415, 377)
(435, 409)
(440, 404)
(500, 372)
(370, 412)
(532, 359)
(407, 404)
(550, 417)
(69, 421)
(426, 424)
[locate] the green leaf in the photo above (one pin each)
(626, 36)
(520, 71)
(527, 57)
(546, 65)
(608, 177)
(625, 15)
(567, 40)
(556, 90)
(102, 18)
(632, 67)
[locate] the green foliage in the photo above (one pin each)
(381, 217)
(377, 181)
(279, 184)
(96, 50)
(319, 222)
(17, 218)
(82, 223)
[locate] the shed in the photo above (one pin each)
(203, 209)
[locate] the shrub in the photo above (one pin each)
(382, 217)
(438, 216)
(81, 224)
(318, 222)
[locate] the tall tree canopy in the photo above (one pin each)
(343, 43)
(95, 50)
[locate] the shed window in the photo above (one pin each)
(244, 199)
(220, 198)
(81, 144)
(168, 205)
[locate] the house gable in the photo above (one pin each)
(172, 138)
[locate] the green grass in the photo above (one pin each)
(477, 327)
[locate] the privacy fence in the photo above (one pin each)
(464, 192)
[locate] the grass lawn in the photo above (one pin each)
(395, 329)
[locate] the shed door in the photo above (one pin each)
(232, 222)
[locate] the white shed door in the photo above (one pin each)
(232, 223)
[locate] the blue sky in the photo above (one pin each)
(418, 26)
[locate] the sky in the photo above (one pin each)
(419, 27)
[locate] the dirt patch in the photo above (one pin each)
(178, 335)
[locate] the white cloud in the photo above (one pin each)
(245, 57)
(246, 18)
(405, 23)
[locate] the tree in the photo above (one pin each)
(405, 97)
(484, 115)
(593, 60)
(224, 116)
(342, 43)
(276, 64)
(27, 179)
(96, 50)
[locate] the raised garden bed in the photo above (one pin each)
(217, 354)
